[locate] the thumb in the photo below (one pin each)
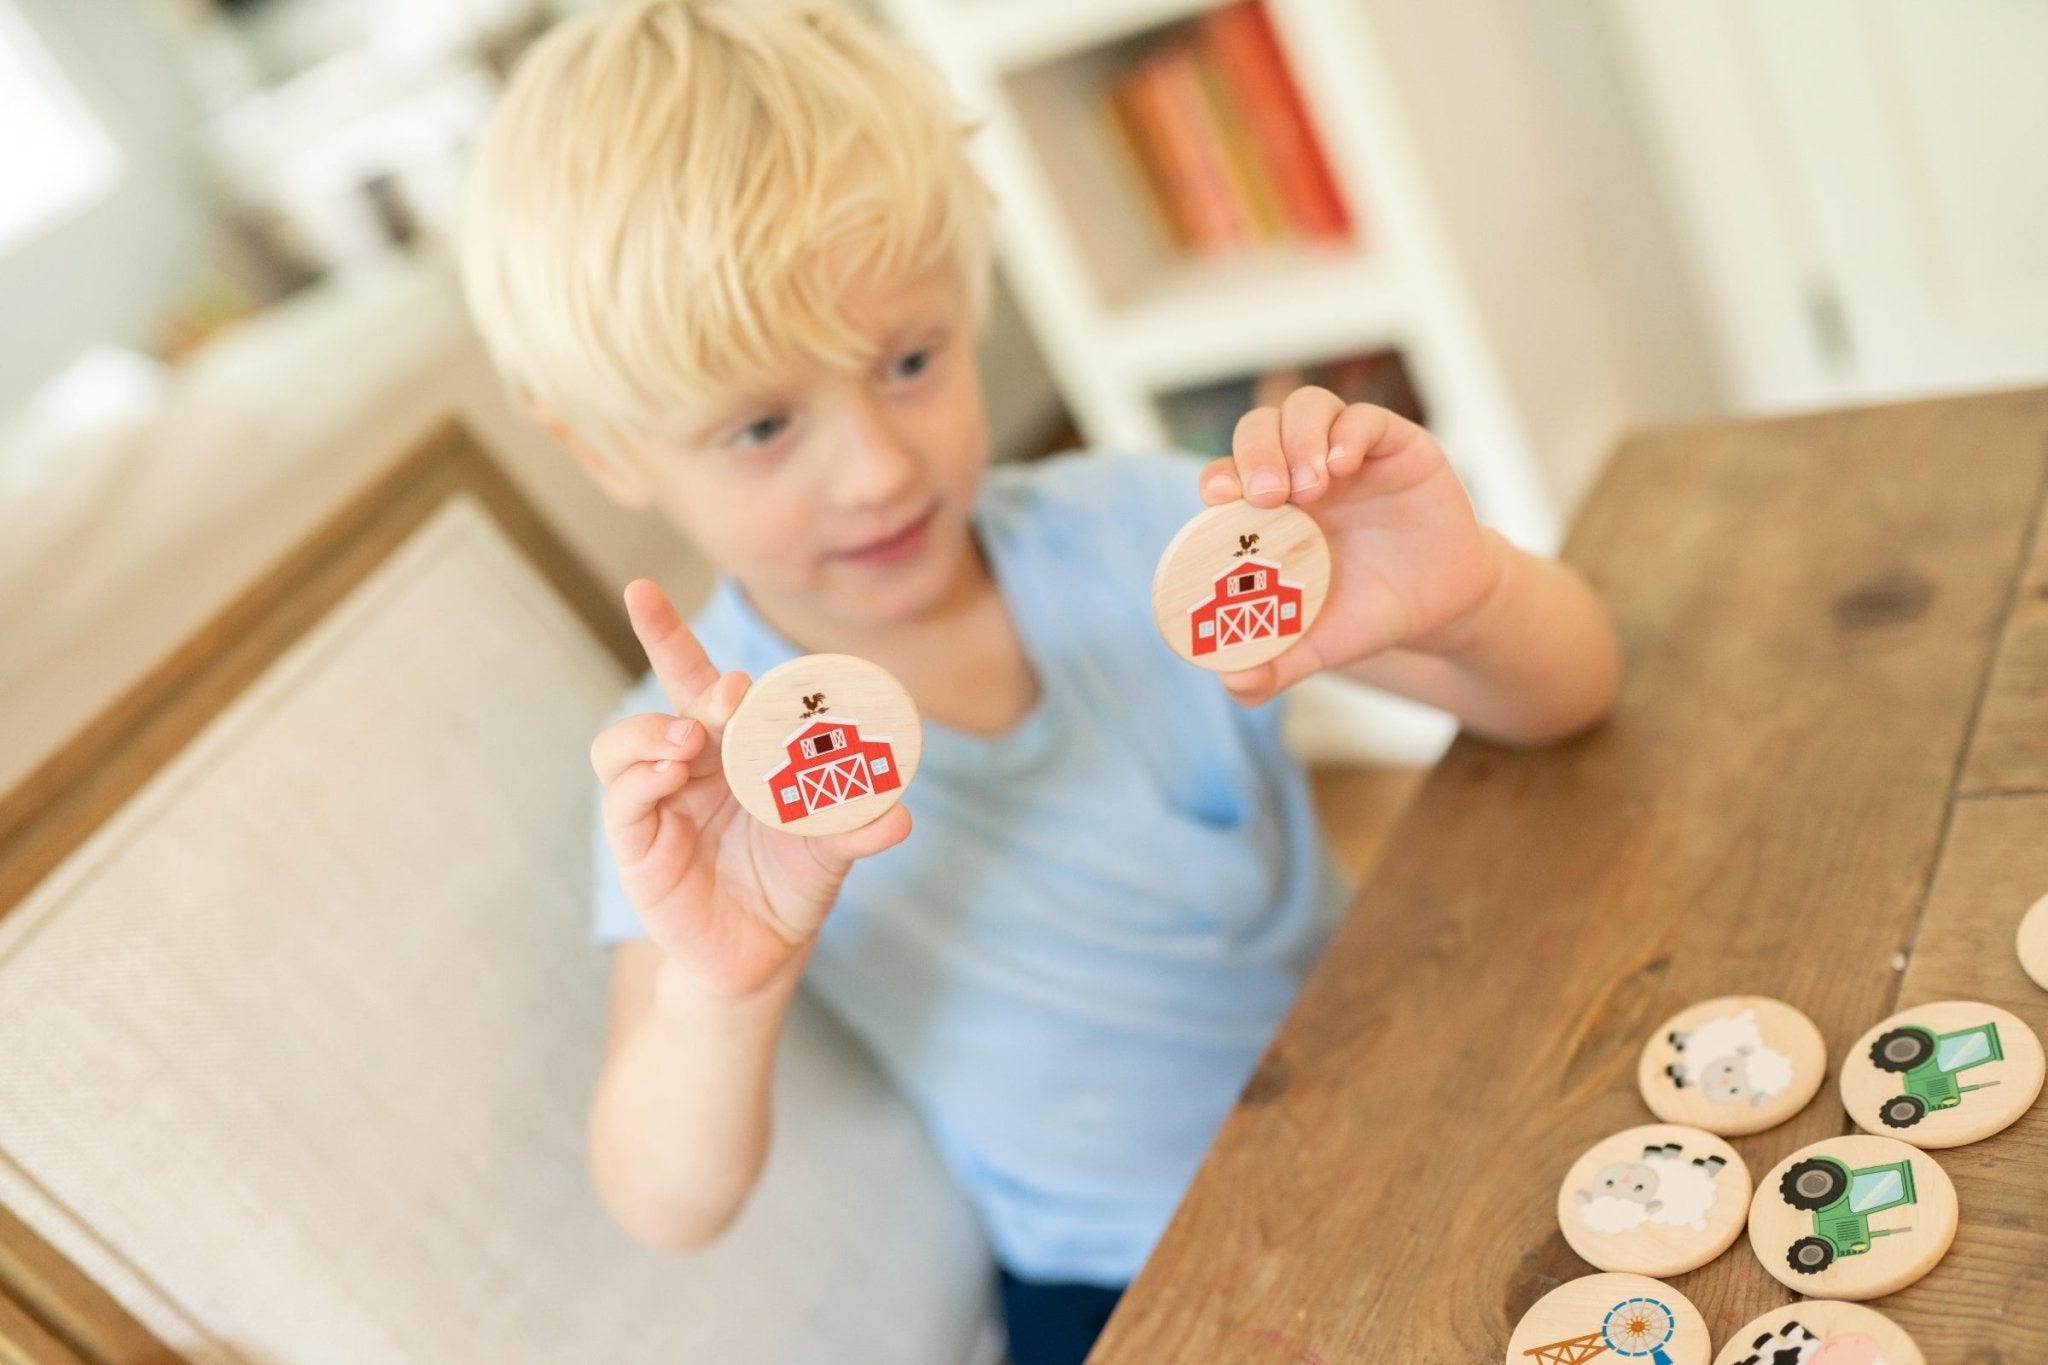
(838, 852)
(713, 709)
(1260, 684)
(1250, 686)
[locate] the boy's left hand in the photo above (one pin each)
(1409, 563)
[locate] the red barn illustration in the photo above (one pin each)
(830, 763)
(1248, 600)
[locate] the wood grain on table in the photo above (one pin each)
(1831, 749)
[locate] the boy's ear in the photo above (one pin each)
(623, 485)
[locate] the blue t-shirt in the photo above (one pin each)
(1099, 918)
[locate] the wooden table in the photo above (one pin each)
(1830, 758)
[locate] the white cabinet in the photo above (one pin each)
(1124, 325)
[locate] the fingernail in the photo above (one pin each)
(1266, 481)
(1336, 454)
(1305, 478)
(1215, 486)
(664, 765)
(678, 731)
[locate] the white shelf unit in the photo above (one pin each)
(1123, 320)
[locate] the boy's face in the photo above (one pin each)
(841, 495)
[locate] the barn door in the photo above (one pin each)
(1247, 621)
(828, 784)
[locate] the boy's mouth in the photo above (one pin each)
(893, 548)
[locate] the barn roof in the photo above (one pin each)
(1235, 567)
(814, 723)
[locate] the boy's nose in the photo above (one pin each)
(874, 467)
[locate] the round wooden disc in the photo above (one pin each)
(1657, 1200)
(822, 744)
(1611, 1317)
(1239, 584)
(1860, 1216)
(1821, 1332)
(2034, 943)
(1942, 1075)
(1736, 1065)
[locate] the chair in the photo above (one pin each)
(300, 1016)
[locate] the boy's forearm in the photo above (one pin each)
(680, 1125)
(1536, 662)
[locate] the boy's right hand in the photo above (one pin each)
(731, 902)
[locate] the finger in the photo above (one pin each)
(836, 852)
(632, 806)
(1261, 464)
(1250, 686)
(715, 706)
(1218, 482)
(1367, 434)
(653, 735)
(1256, 686)
(678, 659)
(1306, 418)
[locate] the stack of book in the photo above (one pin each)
(1218, 132)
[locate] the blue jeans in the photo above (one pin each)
(1053, 1324)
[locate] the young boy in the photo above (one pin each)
(733, 254)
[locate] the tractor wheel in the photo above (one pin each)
(1813, 1184)
(1902, 1049)
(1903, 1112)
(1810, 1255)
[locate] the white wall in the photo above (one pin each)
(107, 274)
(1524, 128)
(1863, 189)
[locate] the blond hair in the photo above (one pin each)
(674, 194)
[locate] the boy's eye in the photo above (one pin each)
(915, 363)
(762, 430)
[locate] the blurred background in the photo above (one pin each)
(224, 264)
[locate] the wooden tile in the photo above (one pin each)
(2032, 943)
(822, 744)
(1657, 1200)
(1943, 1074)
(1626, 1315)
(1734, 1065)
(1853, 1217)
(1821, 1332)
(1238, 584)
